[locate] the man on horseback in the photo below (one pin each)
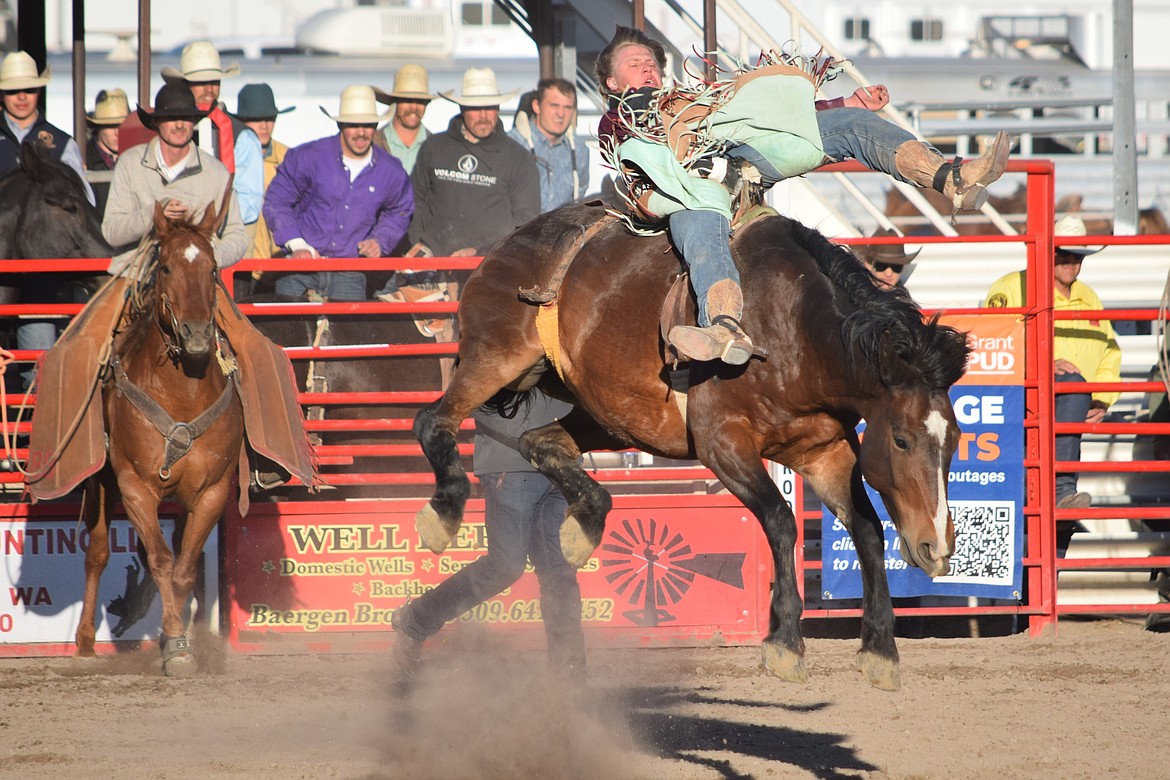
(683, 152)
(170, 170)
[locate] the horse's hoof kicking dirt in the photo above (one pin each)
(881, 672)
(784, 663)
(431, 531)
(181, 666)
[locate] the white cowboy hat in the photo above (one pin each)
(1068, 225)
(358, 107)
(479, 90)
(410, 83)
(110, 108)
(200, 62)
(19, 71)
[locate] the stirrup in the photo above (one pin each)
(739, 348)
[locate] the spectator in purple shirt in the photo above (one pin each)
(339, 196)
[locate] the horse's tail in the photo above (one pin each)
(938, 352)
(508, 403)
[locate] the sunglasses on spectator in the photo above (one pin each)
(26, 91)
(881, 268)
(1064, 253)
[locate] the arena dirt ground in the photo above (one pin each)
(1091, 701)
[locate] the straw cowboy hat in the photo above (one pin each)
(890, 254)
(19, 71)
(256, 101)
(173, 101)
(1068, 225)
(411, 82)
(358, 107)
(479, 90)
(110, 108)
(200, 62)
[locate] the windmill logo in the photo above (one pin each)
(654, 567)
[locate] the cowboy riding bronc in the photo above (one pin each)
(682, 152)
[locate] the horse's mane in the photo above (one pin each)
(885, 322)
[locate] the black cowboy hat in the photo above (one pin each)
(173, 101)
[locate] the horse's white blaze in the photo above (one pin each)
(192, 251)
(936, 426)
(941, 514)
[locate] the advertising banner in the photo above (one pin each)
(670, 569)
(42, 576)
(985, 484)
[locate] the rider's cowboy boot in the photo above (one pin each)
(724, 338)
(963, 183)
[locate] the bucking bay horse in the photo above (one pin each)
(839, 350)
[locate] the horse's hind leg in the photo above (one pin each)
(555, 449)
(836, 479)
(95, 511)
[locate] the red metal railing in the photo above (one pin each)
(1039, 603)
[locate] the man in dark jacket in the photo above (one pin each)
(101, 152)
(472, 184)
(21, 120)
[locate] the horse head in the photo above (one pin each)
(910, 438)
(55, 216)
(185, 283)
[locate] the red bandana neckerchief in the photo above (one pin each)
(226, 142)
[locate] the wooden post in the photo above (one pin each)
(79, 124)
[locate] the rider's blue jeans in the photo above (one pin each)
(523, 514)
(1071, 408)
(703, 238)
(855, 133)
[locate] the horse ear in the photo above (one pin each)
(210, 219)
(161, 223)
(895, 370)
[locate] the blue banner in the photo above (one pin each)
(986, 496)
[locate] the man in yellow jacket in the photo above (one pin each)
(1084, 350)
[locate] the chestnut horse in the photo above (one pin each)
(840, 350)
(175, 428)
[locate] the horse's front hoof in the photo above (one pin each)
(180, 667)
(881, 672)
(177, 660)
(575, 545)
(784, 663)
(432, 533)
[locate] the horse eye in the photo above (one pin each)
(901, 443)
(164, 269)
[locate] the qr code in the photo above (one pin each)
(984, 541)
